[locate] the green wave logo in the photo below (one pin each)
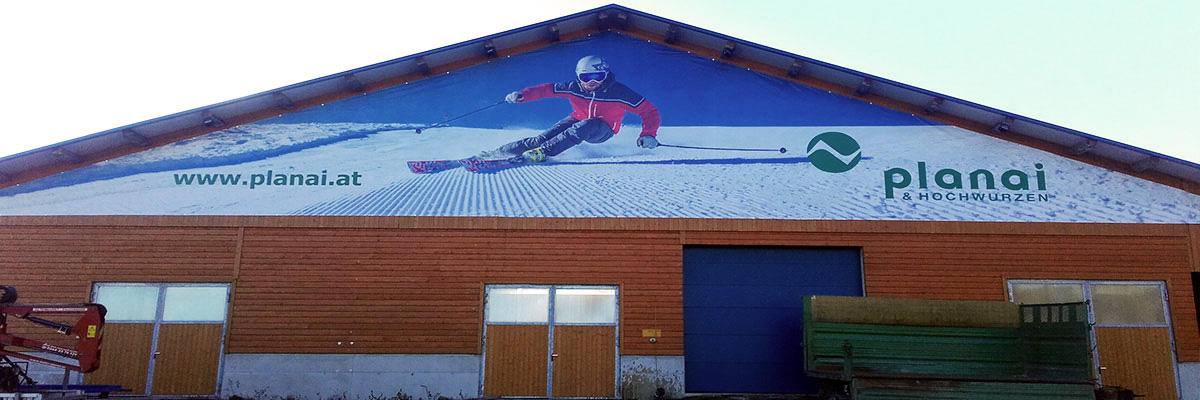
(834, 152)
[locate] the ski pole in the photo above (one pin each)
(444, 123)
(781, 149)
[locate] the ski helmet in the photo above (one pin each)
(591, 68)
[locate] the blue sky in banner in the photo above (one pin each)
(847, 160)
(688, 90)
(1121, 70)
(730, 97)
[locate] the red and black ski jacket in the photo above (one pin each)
(609, 102)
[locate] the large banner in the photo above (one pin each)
(606, 126)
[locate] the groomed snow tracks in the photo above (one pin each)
(547, 190)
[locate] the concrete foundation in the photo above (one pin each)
(50, 375)
(351, 376)
(455, 376)
(641, 376)
(1189, 380)
(430, 377)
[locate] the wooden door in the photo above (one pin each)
(1137, 358)
(186, 359)
(1131, 325)
(550, 341)
(161, 339)
(584, 361)
(125, 357)
(515, 364)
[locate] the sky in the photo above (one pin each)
(1121, 70)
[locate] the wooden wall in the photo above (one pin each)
(421, 291)
(58, 263)
(415, 285)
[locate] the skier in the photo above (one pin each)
(599, 103)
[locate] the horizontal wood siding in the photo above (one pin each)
(415, 284)
(420, 291)
(59, 264)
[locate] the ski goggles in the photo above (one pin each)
(593, 76)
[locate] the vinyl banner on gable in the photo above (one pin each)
(605, 126)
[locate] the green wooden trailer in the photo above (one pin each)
(867, 348)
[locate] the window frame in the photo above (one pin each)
(551, 318)
(1087, 296)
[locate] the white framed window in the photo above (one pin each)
(585, 306)
(128, 302)
(163, 302)
(1023, 292)
(1128, 304)
(518, 305)
(556, 305)
(195, 303)
(1112, 303)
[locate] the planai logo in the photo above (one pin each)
(834, 152)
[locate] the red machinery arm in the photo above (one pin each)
(87, 330)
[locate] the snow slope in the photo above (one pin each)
(613, 179)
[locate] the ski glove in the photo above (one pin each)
(514, 97)
(647, 142)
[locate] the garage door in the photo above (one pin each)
(743, 313)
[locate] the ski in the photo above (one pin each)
(476, 165)
(472, 164)
(428, 167)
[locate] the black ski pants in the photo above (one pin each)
(563, 135)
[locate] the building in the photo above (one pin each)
(278, 245)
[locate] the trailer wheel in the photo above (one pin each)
(8, 294)
(9, 380)
(833, 390)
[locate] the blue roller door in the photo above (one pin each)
(743, 313)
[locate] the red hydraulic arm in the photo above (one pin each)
(87, 330)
